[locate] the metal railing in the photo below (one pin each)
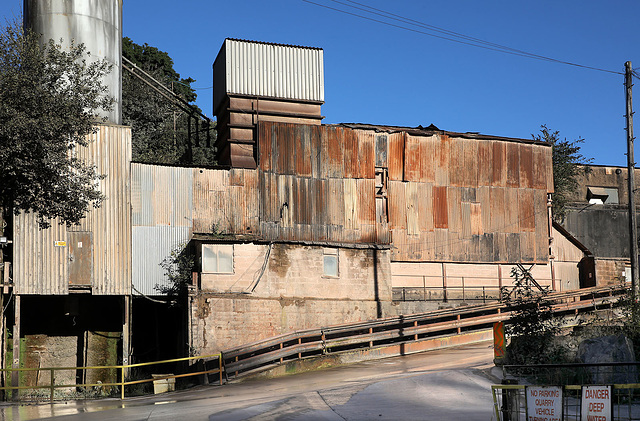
(334, 339)
(403, 329)
(574, 373)
(455, 293)
(52, 386)
(510, 402)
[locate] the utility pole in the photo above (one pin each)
(633, 227)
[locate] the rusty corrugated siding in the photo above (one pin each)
(440, 207)
(42, 268)
(483, 202)
(453, 198)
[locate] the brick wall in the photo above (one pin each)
(609, 271)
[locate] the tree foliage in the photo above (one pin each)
(48, 102)
(159, 130)
(532, 325)
(178, 269)
(568, 164)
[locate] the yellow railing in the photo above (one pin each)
(123, 370)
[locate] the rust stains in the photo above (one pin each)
(279, 262)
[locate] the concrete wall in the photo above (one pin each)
(603, 229)
(293, 294)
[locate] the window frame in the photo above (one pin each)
(327, 253)
(218, 248)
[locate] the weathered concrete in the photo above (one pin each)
(292, 294)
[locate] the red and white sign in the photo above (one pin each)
(544, 403)
(596, 403)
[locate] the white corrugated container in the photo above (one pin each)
(268, 70)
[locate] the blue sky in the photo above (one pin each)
(378, 74)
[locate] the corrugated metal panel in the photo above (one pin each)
(485, 163)
(526, 166)
(428, 153)
(147, 273)
(212, 207)
(470, 163)
(39, 267)
(350, 204)
(497, 203)
(42, 268)
(513, 164)
(440, 207)
(269, 70)
(412, 161)
(397, 206)
(161, 195)
(425, 209)
(442, 161)
(365, 158)
(527, 210)
(366, 202)
(512, 211)
(456, 156)
(411, 197)
(111, 150)
(482, 196)
(396, 156)
(498, 164)
(454, 207)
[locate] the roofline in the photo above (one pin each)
(573, 240)
(421, 131)
(276, 44)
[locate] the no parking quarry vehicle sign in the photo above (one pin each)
(544, 403)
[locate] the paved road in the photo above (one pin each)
(449, 384)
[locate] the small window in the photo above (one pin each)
(602, 195)
(217, 258)
(330, 257)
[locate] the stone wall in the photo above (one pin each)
(292, 294)
(610, 271)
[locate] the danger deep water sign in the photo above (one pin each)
(596, 403)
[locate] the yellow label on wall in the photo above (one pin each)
(61, 243)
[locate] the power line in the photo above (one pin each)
(446, 34)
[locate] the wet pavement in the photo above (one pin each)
(452, 384)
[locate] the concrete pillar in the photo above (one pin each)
(15, 378)
(126, 333)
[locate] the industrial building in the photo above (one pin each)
(300, 225)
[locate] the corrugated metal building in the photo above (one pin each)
(94, 255)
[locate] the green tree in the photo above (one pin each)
(568, 164)
(532, 326)
(159, 129)
(48, 102)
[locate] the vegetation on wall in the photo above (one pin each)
(178, 269)
(568, 164)
(49, 99)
